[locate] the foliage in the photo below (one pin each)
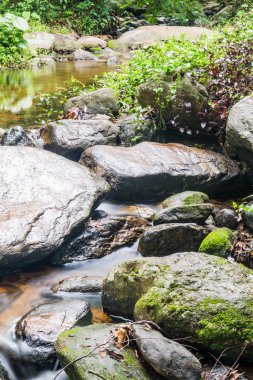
(51, 105)
(183, 12)
(13, 47)
(89, 17)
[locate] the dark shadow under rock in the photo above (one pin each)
(102, 234)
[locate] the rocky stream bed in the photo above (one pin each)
(118, 261)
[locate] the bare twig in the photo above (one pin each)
(98, 375)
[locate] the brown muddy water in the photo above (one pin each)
(22, 291)
(18, 88)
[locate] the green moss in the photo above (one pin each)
(225, 325)
(218, 242)
(195, 198)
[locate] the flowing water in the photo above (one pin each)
(22, 291)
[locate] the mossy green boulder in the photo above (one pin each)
(185, 198)
(205, 298)
(103, 360)
(219, 242)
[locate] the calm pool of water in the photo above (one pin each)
(18, 88)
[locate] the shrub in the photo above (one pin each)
(13, 47)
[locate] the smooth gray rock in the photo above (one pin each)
(45, 198)
(90, 42)
(71, 137)
(102, 101)
(40, 40)
(185, 198)
(151, 171)
(41, 326)
(184, 214)
(239, 132)
(226, 218)
(168, 358)
(82, 55)
(202, 297)
(79, 284)
(65, 43)
(166, 239)
(146, 35)
(16, 136)
(101, 235)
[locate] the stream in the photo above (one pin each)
(22, 291)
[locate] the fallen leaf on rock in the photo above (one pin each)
(102, 353)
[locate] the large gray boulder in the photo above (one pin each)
(239, 131)
(165, 239)
(107, 360)
(44, 199)
(40, 40)
(204, 298)
(82, 55)
(186, 198)
(64, 43)
(146, 35)
(71, 137)
(168, 358)
(89, 42)
(102, 101)
(151, 171)
(40, 327)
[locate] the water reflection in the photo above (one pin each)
(18, 88)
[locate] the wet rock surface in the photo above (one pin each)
(44, 199)
(106, 361)
(198, 296)
(150, 171)
(82, 55)
(239, 141)
(102, 101)
(168, 358)
(165, 239)
(102, 234)
(41, 326)
(71, 137)
(79, 284)
(184, 214)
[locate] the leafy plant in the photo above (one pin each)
(13, 47)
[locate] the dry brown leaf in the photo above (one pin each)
(114, 355)
(120, 336)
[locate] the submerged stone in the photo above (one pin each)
(40, 327)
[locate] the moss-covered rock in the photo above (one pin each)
(103, 361)
(185, 198)
(202, 297)
(218, 242)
